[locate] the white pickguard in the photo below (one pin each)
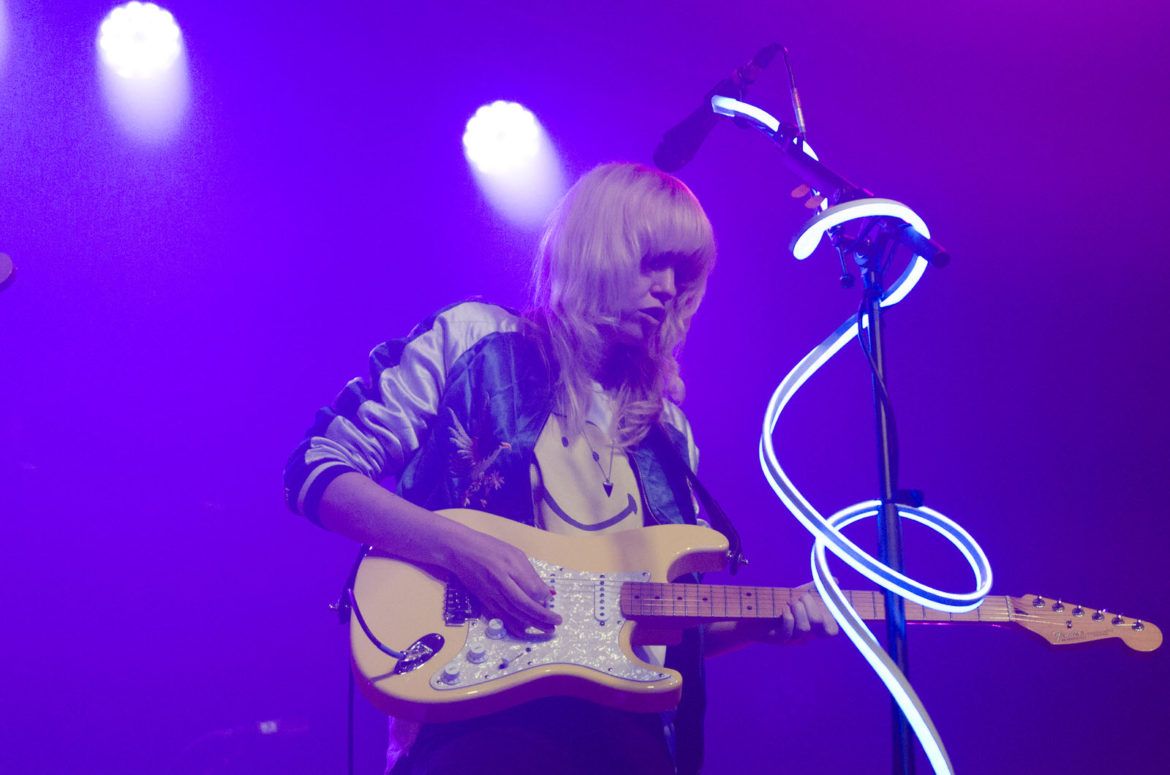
(588, 635)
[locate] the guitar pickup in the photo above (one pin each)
(607, 592)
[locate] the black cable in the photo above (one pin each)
(349, 724)
(882, 393)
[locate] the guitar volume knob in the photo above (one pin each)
(495, 629)
(450, 673)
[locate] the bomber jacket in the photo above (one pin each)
(472, 372)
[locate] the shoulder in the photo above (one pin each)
(472, 333)
(679, 428)
(472, 319)
(444, 337)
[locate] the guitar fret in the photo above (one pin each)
(723, 602)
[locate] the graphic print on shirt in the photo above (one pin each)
(584, 483)
(482, 481)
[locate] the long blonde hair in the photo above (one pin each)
(591, 252)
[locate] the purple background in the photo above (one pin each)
(180, 313)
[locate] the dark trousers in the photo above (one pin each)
(565, 736)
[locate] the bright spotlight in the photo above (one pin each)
(138, 40)
(501, 137)
(144, 73)
(513, 161)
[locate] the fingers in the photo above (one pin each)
(800, 614)
(787, 626)
(820, 622)
(803, 619)
(823, 618)
(521, 604)
(530, 594)
(501, 577)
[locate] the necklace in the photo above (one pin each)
(607, 481)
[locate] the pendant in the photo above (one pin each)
(608, 488)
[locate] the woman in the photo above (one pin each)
(564, 417)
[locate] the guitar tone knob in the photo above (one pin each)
(476, 654)
(495, 629)
(450, 673)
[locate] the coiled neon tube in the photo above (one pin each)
(827, 532)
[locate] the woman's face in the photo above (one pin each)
(644, 307)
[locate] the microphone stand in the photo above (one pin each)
(869, 253)
(889, 524)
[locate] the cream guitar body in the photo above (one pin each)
(591, 655)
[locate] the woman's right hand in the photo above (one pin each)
(498, 574)
(501, 577)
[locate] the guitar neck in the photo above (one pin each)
(683, 605)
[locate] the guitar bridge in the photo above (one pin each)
(458, 605)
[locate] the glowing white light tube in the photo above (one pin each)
(726, 106)
(811, 233)
(827, 531)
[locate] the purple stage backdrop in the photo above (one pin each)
(180, 312)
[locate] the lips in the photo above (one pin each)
(657, 313)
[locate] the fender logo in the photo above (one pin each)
(1061, 637)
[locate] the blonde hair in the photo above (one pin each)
(591, 252)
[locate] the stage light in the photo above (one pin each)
(138, 40)
(143, 70)
(513, 162)
(501, 137)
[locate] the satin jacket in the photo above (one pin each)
(453, 413)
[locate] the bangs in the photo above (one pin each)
(675, 225)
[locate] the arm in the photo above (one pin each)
(497, 573)
(369, 432)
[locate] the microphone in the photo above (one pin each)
(681, 142)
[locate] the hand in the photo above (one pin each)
(497, 573)
(805, 618)
(503, 580)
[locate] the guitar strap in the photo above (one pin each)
(719, 519)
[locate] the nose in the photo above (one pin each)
(662, 284)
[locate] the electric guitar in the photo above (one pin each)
(613, 595)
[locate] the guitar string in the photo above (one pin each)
(1002, 612)
(998, 607)
(766, 595)
(992, 611)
